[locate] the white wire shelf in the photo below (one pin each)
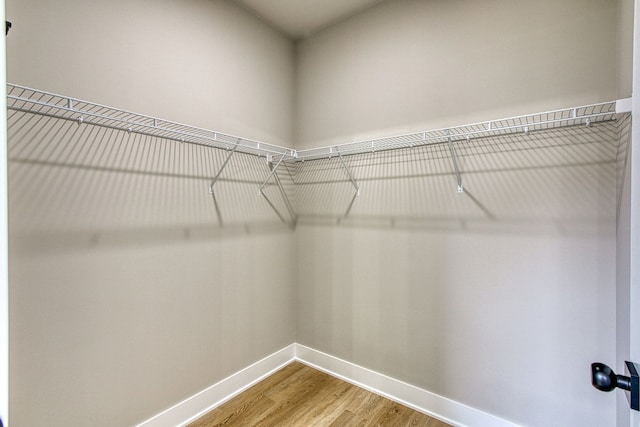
(21, 98)
(25, 99)
(576, 145)
(577, 116)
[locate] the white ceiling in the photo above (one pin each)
(301, 18)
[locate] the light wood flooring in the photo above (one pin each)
(298, 395)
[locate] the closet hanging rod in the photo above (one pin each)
(584, 115)
(25, 99)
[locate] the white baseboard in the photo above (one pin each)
(436, 406)
(442, 408)
(197, 405)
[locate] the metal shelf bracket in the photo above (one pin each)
(215, 179)
(353, 182)
(281, 188)
(454, 159)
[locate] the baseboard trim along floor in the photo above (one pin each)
(436, 406)
(200, 403)
(442, 408)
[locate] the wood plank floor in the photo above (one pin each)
(298, 395)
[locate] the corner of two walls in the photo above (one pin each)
(435, 306)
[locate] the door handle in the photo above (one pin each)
(604, 379)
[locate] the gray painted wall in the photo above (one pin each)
(504, 322)
(199, 62)
(634, 207)
(623, 261)
(133, 302)
(625, 48)
(413, 65)
(125, 295)
(452, 301)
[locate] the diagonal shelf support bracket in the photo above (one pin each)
(283, 193)
(273, 171)
(353, 182)
(287, 203)
(461, 189)
(215, 179)
(454, 159)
